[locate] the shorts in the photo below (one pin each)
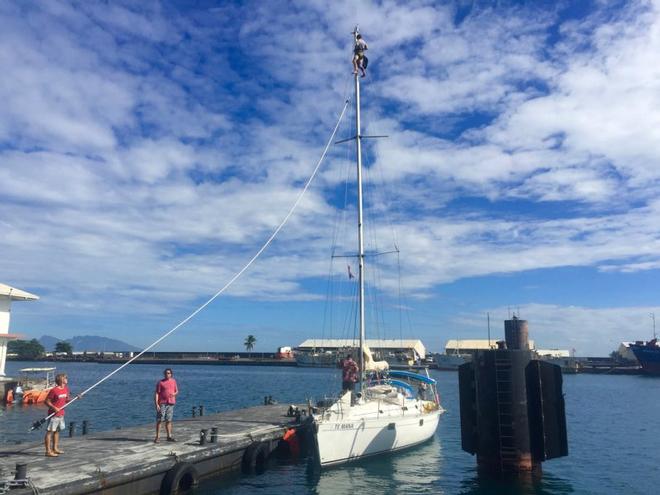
(166, 413)
(56, 423)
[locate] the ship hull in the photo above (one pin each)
(364, 432)
(649, 357)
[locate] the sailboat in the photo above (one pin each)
(390, 410)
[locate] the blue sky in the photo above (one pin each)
(148, 149)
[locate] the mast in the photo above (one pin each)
(358, 152)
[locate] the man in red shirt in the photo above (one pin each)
(56, 399)
(166, 392)
(349, 374)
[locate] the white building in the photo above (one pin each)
(7, 295)
(554, 353)
(376, 345)
(470, 346)
(625, 352)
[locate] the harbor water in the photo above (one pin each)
(613, 424)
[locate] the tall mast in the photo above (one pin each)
(358, 152)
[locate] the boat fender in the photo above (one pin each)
(10, 396)
(181, 478)
(291, 438)
(255, 457)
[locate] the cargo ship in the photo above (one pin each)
(648, 355)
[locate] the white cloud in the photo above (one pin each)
(150, 152)
(590, 331)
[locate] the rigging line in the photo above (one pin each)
(228, 284)
(398, 264)
(328, 319)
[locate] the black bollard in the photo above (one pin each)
(85, 427)
(202, 437)
(265, 400)
(72, 428)
(21, 471)
(201, 410)
(214, 435)
(194, 411)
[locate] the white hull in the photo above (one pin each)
(373, 427)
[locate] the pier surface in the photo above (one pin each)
(127, 461)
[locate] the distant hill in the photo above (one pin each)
(83, 343)
(48, 342)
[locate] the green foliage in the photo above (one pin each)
(249, 343)
(64, 347)
(25, 349)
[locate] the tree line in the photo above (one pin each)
(32, 349)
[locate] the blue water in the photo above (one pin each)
(613, 423)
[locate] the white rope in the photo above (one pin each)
(228, 284)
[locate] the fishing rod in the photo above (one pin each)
(39, 423)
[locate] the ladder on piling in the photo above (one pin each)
(504, 392)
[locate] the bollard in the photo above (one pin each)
(202, 437)
(214, 435)
(21, 471)
(265, 400)
(194, 411)
(72, 428)
(85, 427)
(201, 410)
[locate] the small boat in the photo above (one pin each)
(391, 410)
(33, 386)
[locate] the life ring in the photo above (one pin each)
(255, 457)
(182, 478)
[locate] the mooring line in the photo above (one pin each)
(37, 424)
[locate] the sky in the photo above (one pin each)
(149, 149)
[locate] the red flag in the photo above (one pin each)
(350, 274)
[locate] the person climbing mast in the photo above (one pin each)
(358, 55)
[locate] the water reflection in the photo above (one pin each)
(416, 470)
(524, 484)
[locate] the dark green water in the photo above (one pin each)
(613, 423)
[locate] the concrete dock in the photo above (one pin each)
(127, 461)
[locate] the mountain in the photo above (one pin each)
(48, 342)
(88, 343)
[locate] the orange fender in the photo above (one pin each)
(291, 439)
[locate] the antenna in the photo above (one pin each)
(652, 315)
(488, 319)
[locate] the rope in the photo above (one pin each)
(227, 285)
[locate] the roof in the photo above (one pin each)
(456, 344)
(16, 294)
(372, 343)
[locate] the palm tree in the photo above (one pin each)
(250, 340)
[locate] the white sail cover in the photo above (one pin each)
(370, 364)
